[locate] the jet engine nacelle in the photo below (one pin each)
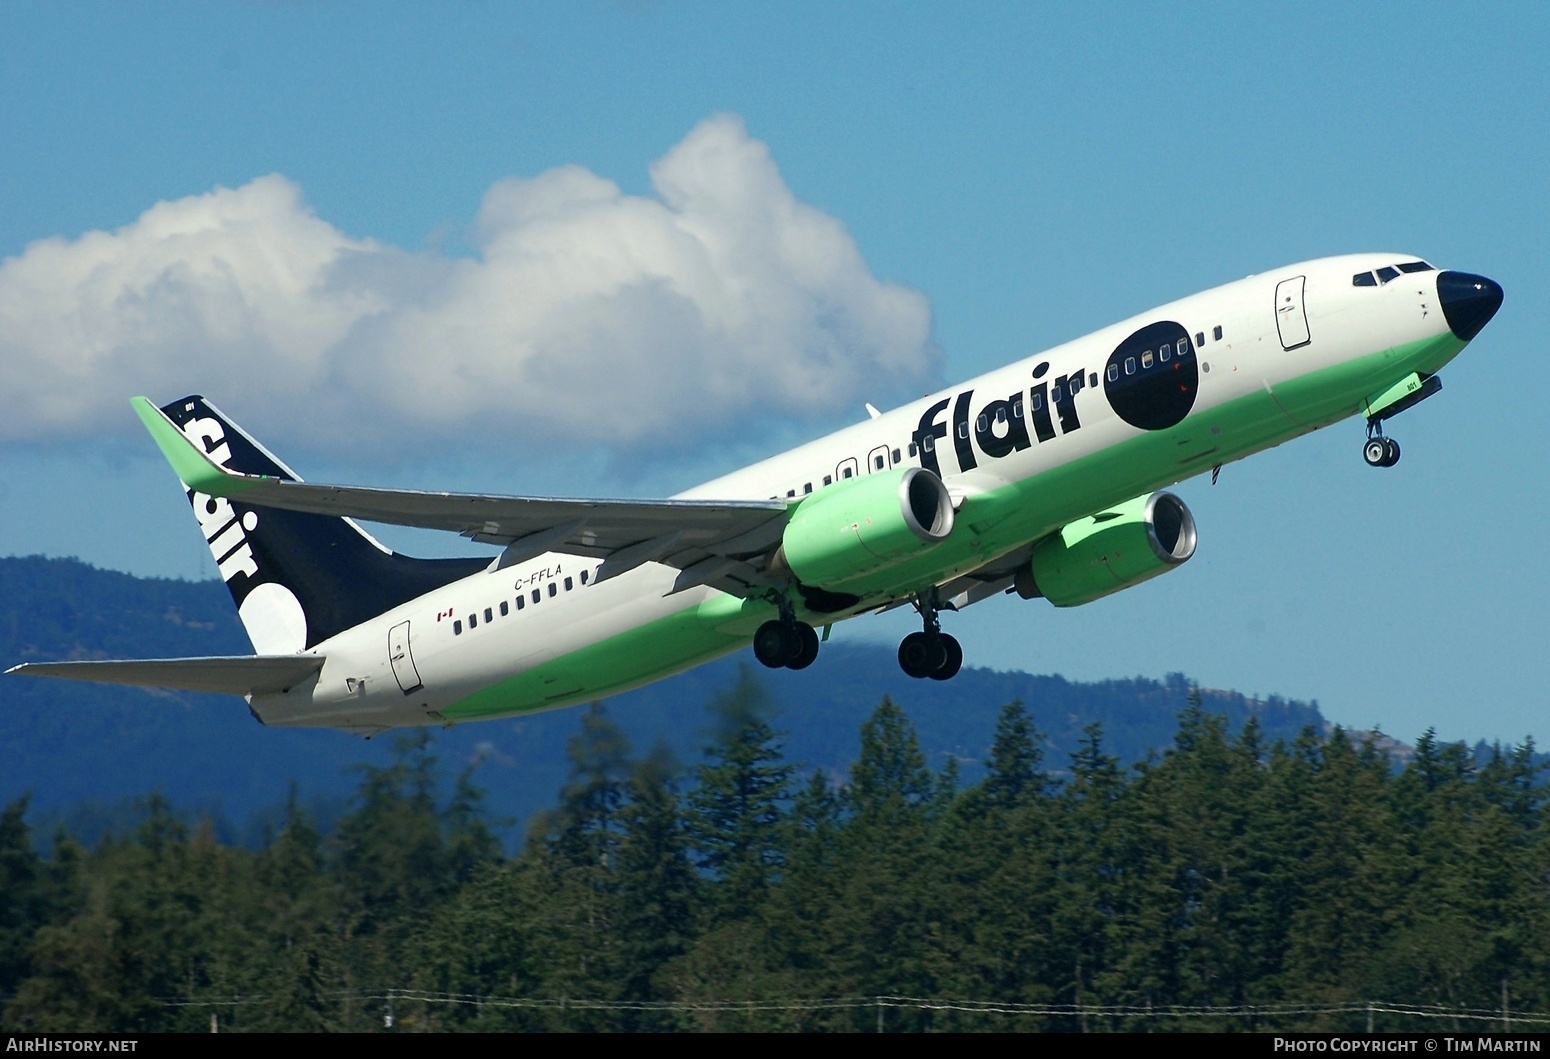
(859, 526)
(1114, 549)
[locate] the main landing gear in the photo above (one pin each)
(930, 652)
(785, 643)
(1379, 451)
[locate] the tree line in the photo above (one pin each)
(727, 895)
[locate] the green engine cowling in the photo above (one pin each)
(859, 526)
(1114, 549)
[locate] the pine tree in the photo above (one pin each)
(797, 938)
(471, 843)
(657, 891)
(1090, 874)
(390, 864)
(583, 828)
(890, 776)
(298, 903)
(1015, 772)
(23, 900)
(572, 857)
(993, 847)
(737, 800)
(1187, 905)
(389, 847)
(1350, 875)
(944, 791)
(133, 941)
(1511, 781)
(887, 915)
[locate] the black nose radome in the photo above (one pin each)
(1468, 301)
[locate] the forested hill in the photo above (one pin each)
(91, 750)
(945, 851)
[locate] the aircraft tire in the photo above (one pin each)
(954, 660)
(807, 651)
(1375, 452)
(1391, 453)
(921, 654)
(775, 644)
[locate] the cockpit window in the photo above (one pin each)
(1389, 272)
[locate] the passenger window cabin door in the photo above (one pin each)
(847, 469)
(402, 660)
(1291, 316)
(877, 460)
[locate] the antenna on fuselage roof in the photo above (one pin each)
(872, 412)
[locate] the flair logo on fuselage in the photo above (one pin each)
(1001, 427)
(1150, 381)
(225, 533)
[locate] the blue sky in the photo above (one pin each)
(992, 179)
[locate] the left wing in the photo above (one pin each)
(722, 543)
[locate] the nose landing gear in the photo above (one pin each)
(1379, 451)
(1408, 392)
(930, 652)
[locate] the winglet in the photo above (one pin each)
(194, 468)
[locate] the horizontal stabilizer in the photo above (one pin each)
(234, 675)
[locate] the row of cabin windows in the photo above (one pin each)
(880, 462)
(1162, 355)
(1388, 272)
(522, 598)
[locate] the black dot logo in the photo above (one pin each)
(1152, 377)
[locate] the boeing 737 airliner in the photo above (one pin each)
(1041, 478)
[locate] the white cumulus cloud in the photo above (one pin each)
(586, 316)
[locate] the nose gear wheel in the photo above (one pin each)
(1379, 451)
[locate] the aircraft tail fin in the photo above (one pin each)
(297, 579)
